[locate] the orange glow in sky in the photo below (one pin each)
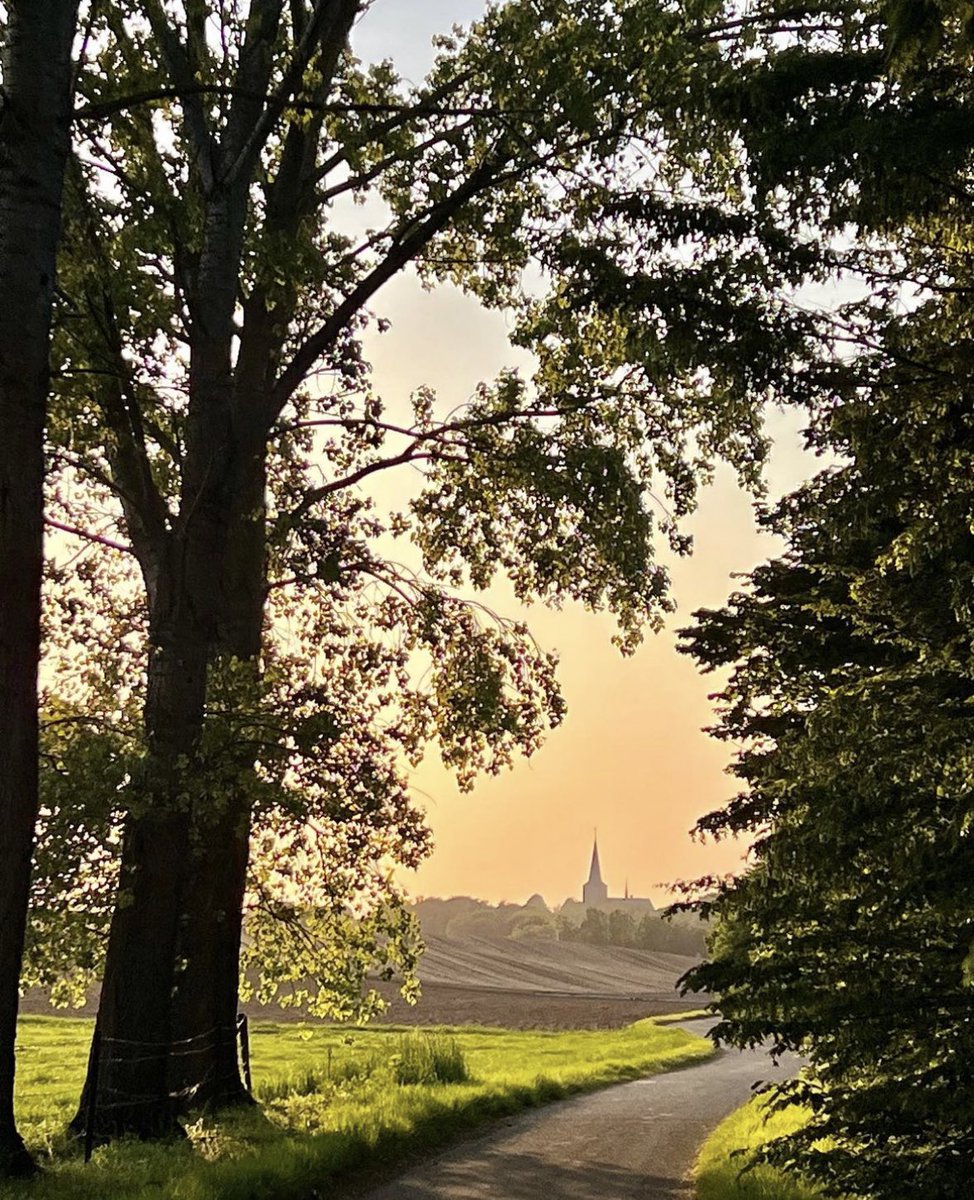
(630, 757)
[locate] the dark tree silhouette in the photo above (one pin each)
(34, 120)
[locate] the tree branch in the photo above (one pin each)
(373, 173)
(415, 235)
(401, 113)
(325, 36)
(88, 535)
(181, 68)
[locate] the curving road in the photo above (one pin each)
(634, 1141)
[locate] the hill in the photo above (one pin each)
(540, 984)
(542, 965)
(527, 983)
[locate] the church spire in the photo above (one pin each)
(595, 890)
(595, 871)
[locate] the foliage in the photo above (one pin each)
(726, 1168)
(678, 933)
(348, 1120)
(543, 167)
(852, 690)
(850, 684)
(462, 916)
(429, 1058)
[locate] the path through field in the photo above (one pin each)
(635, 1141)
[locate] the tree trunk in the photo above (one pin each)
(136, 1012)
(204, 1069)
(167, 1016)
(166, 828)
(33, 150)
(135, 1009)
(207, 993)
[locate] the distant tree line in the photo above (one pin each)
(682, 933)
(463, 916)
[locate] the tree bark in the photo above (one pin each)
(207, 991)
(167, 1012)
(135, 1008)
(34, 124)
(204, 1070)
(168, 1008)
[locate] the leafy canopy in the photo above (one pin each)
(243, 188)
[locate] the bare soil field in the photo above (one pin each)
(549, 966)
(444, 1005)
(515, 984)
(540, 985)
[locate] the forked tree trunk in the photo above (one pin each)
(167, 1016)
(184, 579)
(136, 1010)
(33, 149)
(222, 525)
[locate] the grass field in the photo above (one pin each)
(331, 1104)
(718, 1173)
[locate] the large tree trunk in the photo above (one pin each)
(167, 1014)
(135, 1009)
(192, 931)
(33, 149)
(167, 1017)
(204, 1069)
(207, 992)
(145, 962)
(222, 519)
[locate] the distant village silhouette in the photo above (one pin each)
(598, 919)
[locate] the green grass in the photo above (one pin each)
(332, 1106)
(718, 1173)
(691, 1014)
(429, 1058)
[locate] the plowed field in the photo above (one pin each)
(541, 984)
(519, 985)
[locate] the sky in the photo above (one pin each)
(630, 759)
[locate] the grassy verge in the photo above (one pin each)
(718, 1170)
(332, 1105)
(692, 1014)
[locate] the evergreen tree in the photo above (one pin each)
(850, 937)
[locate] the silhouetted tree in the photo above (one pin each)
(37, 72)
(213, 288)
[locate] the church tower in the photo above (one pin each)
(595, 891)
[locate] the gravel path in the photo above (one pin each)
(635, 1141)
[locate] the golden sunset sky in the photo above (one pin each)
(630, 758)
